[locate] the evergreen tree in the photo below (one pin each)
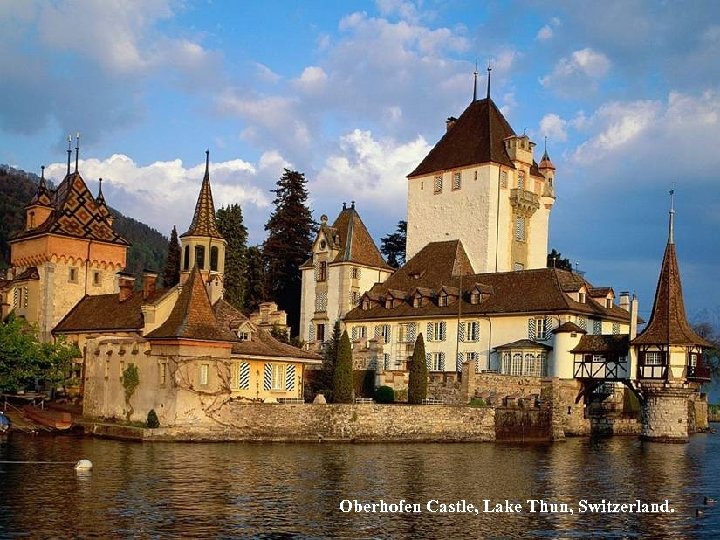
(393, 245)
(343, 374)
(290, 233)
(418, 382)
(555, 260)
(330, 357)
(255, 279)
(171, 272)
(230, 225)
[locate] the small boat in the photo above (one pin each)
(47, 418)
(4, 423)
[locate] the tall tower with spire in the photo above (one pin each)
(202, 245)
(669, 353)
(481, 184)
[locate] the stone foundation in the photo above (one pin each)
(665, 415)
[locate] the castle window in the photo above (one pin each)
(456, 183)
(32, 220)
(321, 332)
(322, 271)
(355, 273)
(520, 228)
(354, 298)
(278, 377)
(321, 301)
(162, 373)
(73, 275)
(473, 331)
(437, 185)
(436, 331)
(597, 327)
(475, 297)
(443, 300)
(382, 333)
(214, 255)
(200, 257)
(417, 301)
(96, 278)
(437, 361)
(521, 180)
(186, 258)
(204, 374)
(503, 179)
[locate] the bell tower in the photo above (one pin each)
(203, 246)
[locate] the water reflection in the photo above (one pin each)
(167, 490)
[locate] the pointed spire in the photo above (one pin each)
(69, 153)
(41, 184)
(77, 150)
(203, 222)
(671, 225)
(489, 69)
(475, 74)
(100, 197)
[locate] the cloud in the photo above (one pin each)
(163, 194)
(545, 33)
(578, 72)
(312, 80)
(553, 127)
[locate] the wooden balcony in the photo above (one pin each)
(608, 370)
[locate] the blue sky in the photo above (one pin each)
(354, 94)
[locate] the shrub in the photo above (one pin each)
(385, 394)
(477, 402)
(152, 419)
(418, 382)
(343, 374)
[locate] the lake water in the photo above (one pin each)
(295, 490)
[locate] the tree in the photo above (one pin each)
(712, 356)
(418, 381)
(291, 230)
(25, 360)
(254, 279)
(555, 260)
(171, 272)
(343, 373)
(393, 245)
(330, 357)
(230, 224)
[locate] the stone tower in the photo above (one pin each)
(480, 184)
(669, 352)
(67, 250)
(203, 245)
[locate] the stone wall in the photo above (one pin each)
(447, 388)
(361, 423)
(698, 417)
(521, 424)
(495, 388)
(665, 415)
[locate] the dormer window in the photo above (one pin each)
(417, 301)
(475, 297)
(366, 305)
(244, 335)
(388, 303)
(609, 303)
(581, 297)
(443, 300)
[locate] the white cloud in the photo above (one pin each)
(578, 72)
(545, 33)
(266, 74)
(554, 127)
(313, 79)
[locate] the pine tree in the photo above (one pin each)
(255, 279)
(393, 245)
(330, 357)
(171, 272)
(230, 224)
(343, 374)
(291, 230)
(418, 382)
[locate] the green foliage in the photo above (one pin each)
(343, 373)
(255, 278)
(230, 224)
(711, 356)
(364, 382)
(477, 402)
(152, 419)
(555, 260)
(393, 245)
(291, 230)
(281, 334)
(130, 380)
(171, 272)
(148, 247)
(418, 381)
(631, 403)
(384, 394)
(24, 359)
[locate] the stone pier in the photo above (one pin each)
(665, 411)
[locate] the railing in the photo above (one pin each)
(699, 372)
(523, 197)
(600, 369)
(364, 400)
(290, 400)
(433, 401)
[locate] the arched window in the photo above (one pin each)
(214, 258)
(516, 366)
(200, 257)
(186, 258)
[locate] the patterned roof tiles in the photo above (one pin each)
(203, 222)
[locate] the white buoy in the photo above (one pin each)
(83, 465)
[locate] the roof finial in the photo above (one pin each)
(207, 165)
(475, 74)
(671, 239)
(69, 152)
(489, 69)
(100, 188)
(352, 204)
(344, 205)
(42, 172)
(77, 150)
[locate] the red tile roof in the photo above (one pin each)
(478, 136)
(606, 343)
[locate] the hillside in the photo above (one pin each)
(17, 188)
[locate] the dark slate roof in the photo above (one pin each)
(192, 317)
(75, 213)
(478, 136)
(203, 222)
(524, 344)
(605, 343)
(540, 291)
(261, 343)
(668, 323)
(106, 313)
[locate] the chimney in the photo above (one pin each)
(625, 300)
(633, 317)
(149, 283)
(449, 123)
(126, 283)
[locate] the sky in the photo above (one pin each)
(355, 94)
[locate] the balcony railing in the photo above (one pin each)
(699, 372)
(522, 198)
(601, 369)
